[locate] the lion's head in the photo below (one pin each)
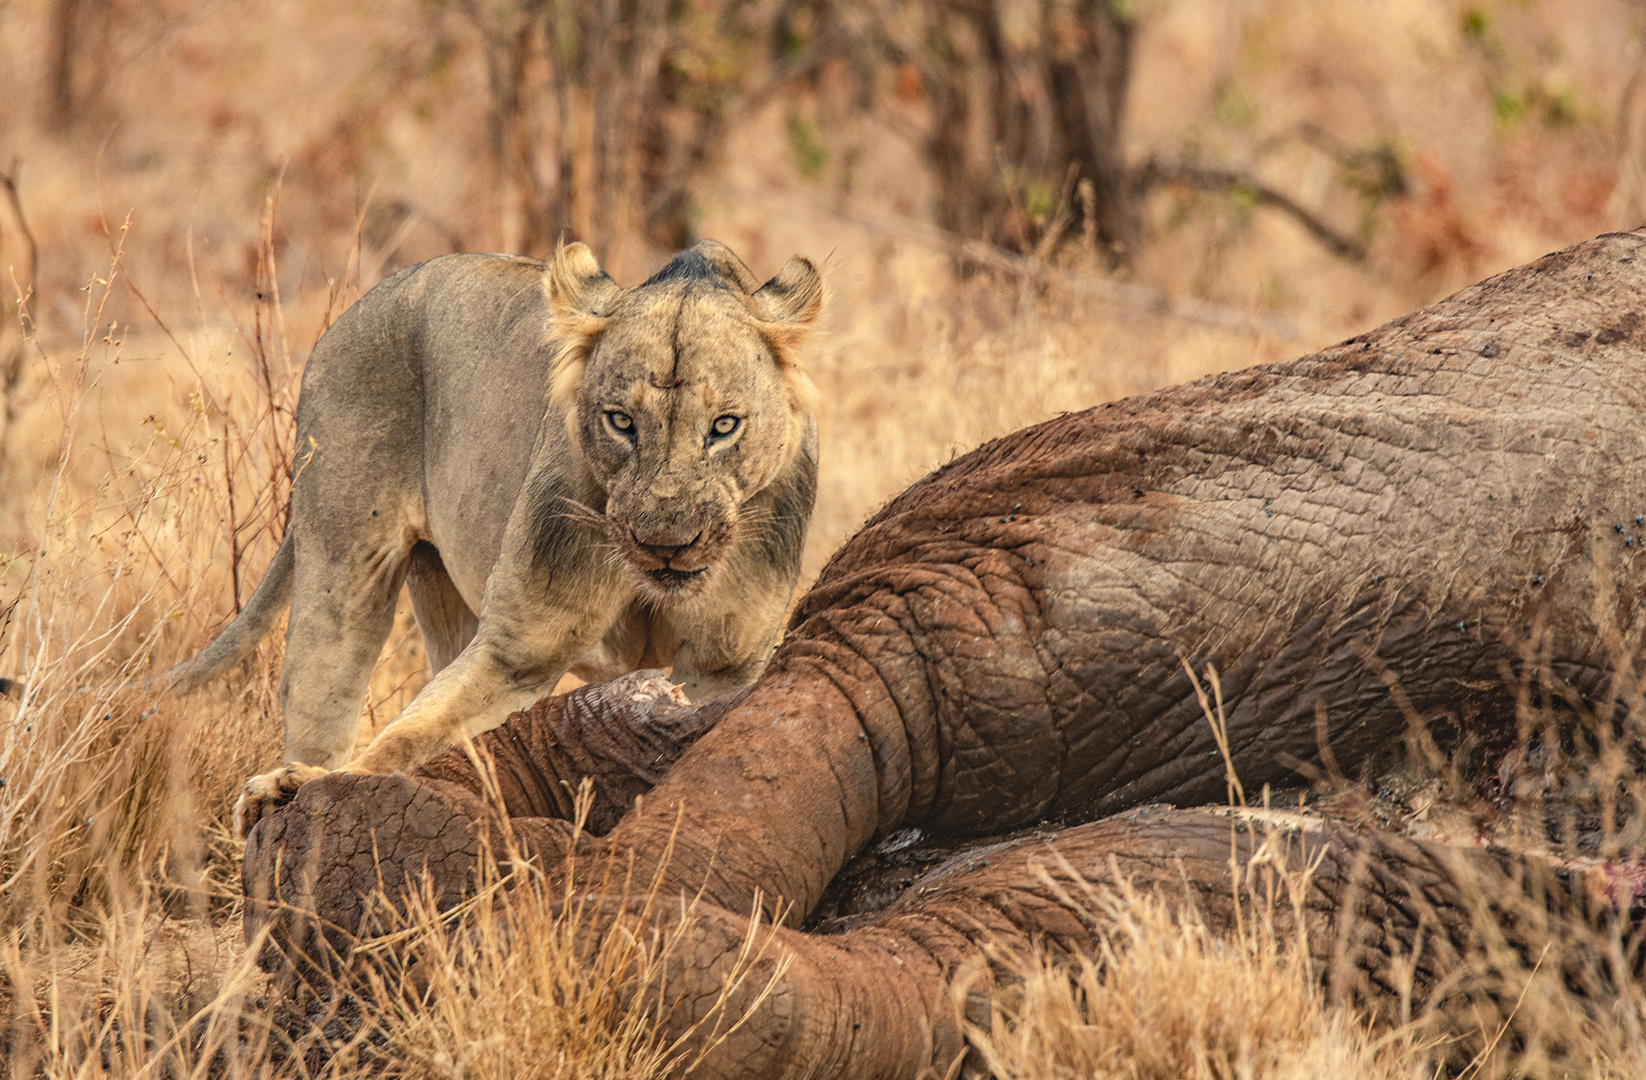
(686, 396)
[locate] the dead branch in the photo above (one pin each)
(1155, 173)
(14, 311)
(1136, 298)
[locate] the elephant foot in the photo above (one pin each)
(317, 870)
(323, 847)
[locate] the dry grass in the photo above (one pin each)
(143, 449)
(1166, 998)
(1167, 995)
(530, 963)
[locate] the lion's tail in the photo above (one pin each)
(234, 644)
(241, 636)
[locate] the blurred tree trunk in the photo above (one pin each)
(510, 36)
(1628, 202)
(606, 112)
(712, 49)
(76, 60)
(964, 81)
(1088, 62)
(1028, 102)
(603, 114)
(605, 56)
(18, 258)
(60, 68)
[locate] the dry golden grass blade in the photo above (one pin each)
(574, 967)
(1167, 999)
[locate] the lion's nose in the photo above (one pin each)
(664, 547)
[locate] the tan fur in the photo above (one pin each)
(641, 535)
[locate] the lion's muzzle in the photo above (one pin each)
(672, 566)
(661, 552)
(674, 558)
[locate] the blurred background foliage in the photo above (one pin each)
(1173, 186)
(1420, 142)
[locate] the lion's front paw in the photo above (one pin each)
(266, 793)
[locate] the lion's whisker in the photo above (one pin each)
(583, 512)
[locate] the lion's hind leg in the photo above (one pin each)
(342, 610)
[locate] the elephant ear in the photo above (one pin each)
(580, 297)
(788, 307)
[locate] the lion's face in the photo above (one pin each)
(687, 403)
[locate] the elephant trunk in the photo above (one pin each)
(821, 744)
(1402, 927)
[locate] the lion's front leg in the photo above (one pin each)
(533, 626)
(536, 619)
(474, 693)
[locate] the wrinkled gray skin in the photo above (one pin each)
(1416, 519)
(533, 536)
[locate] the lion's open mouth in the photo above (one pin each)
(676, 579)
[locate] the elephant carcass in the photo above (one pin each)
(1414, 521)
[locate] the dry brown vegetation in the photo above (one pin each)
(192, 191)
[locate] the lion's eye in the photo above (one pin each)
(725, 425)
(621, 422)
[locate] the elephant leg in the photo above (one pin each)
(620, 735)
(313, 869)
(1392, 924)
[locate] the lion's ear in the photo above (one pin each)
(788, 307)
(579, 294)
(575, 284)
(794, 298)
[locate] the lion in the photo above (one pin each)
(568, 475)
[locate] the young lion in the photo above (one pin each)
(568, 474)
